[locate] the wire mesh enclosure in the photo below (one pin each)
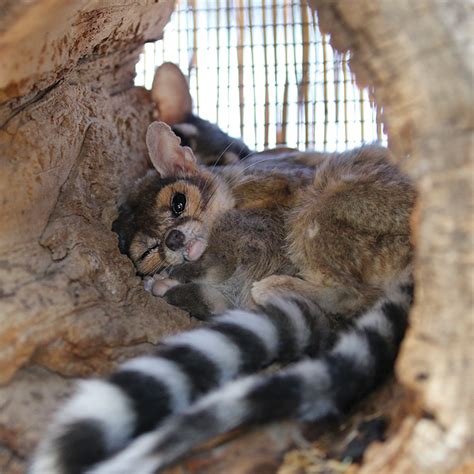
(261, 70)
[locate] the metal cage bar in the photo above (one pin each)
(261, 70)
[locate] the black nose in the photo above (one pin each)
(175, 240)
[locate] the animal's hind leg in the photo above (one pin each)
(200, 301)
(267, 289)
(340, 300)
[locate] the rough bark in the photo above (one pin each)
(72, 134)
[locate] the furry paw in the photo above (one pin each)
(265, 290)
(161, 286)
(158, 286)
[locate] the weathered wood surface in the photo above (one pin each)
(72, 134)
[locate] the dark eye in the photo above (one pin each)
(178, 203)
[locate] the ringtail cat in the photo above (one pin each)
(314, 259)
(336, 232)
(210, 145)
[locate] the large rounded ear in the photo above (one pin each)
(170, 93)
(167, 155)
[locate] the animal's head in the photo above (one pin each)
(166, 220)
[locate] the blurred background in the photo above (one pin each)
(262, 71)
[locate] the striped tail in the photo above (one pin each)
(309, 390)
(104, 415)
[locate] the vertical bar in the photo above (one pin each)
(209, 13)
(178, 16)
(267, 95)
(275, 62)
(252, 58)
(295, 64)
(282, 137)
(315, 90)
(229, 37)
(240, 62)
(379, 123)
(144, 66)
(345, 80)
(305, 66)
(189, 41)
(195, 50)
(355, 111)
(362, 119)
(218, 49)
(162, 41)
(337, 77)
(325, 87)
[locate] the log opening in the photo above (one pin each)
(72, 137)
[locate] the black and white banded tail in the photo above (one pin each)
(104, 415)
(163, 405)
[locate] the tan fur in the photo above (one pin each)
(201, 221)
(271, 191)
(194, 198)
(350, 231)
(335, 228)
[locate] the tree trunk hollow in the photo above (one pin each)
(72, 130)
